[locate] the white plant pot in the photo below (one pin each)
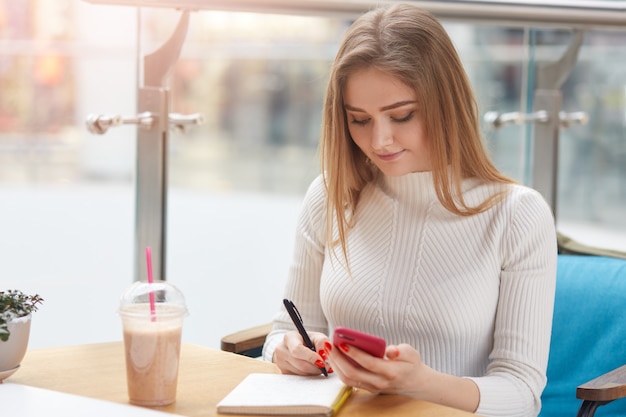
(13, 350)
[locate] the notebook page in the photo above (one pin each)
(278, 390)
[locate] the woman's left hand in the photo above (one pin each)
(400, 372)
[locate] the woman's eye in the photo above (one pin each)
(359, 121)
(405, 118)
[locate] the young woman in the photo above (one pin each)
(411, 234)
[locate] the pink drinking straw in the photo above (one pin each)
(150, 281)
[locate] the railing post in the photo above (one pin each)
(548, 97)
(152, 149)
(545, 147)
(151, 183)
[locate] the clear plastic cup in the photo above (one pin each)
(152, 341)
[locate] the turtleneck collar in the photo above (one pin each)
(416, 186)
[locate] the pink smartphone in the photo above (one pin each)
(371, 344)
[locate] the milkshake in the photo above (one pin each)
(152, 348)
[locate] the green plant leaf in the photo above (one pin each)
(14, 304)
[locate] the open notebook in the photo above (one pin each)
(18, 400)
(278, 394)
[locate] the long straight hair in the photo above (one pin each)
(411, 45)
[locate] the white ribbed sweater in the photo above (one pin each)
(474, 295)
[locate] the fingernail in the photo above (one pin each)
(344, 347)
(323, 354)
(328, 346)
(319, 363)
(330, 370)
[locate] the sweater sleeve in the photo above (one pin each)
(303, 281)
(516, 374)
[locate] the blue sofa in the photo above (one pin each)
(588, 333)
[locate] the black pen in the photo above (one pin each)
(297, 320)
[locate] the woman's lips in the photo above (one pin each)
(388, 157)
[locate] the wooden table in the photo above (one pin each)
(205, 377)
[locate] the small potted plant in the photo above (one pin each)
(16, 309)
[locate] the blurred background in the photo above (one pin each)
(67, 197)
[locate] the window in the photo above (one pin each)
(235, 182)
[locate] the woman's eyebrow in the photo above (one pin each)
(384, 108)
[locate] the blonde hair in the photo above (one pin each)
(411, 45)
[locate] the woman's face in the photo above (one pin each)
(385, 122)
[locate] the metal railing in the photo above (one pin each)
(570, 14)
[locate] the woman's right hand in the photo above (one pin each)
(293, 357)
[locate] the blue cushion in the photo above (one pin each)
(588, 333)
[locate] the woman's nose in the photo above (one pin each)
(382, 135)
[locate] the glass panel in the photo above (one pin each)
(260, 80)
(236, 182)
(495, 59)
(66, 196)
(592, 157)
(592, 170)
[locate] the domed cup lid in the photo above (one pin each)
(168, 301)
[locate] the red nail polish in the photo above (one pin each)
(319, 363)
(323, 354)
(344, 347)
(330, 370)
(328, 346)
